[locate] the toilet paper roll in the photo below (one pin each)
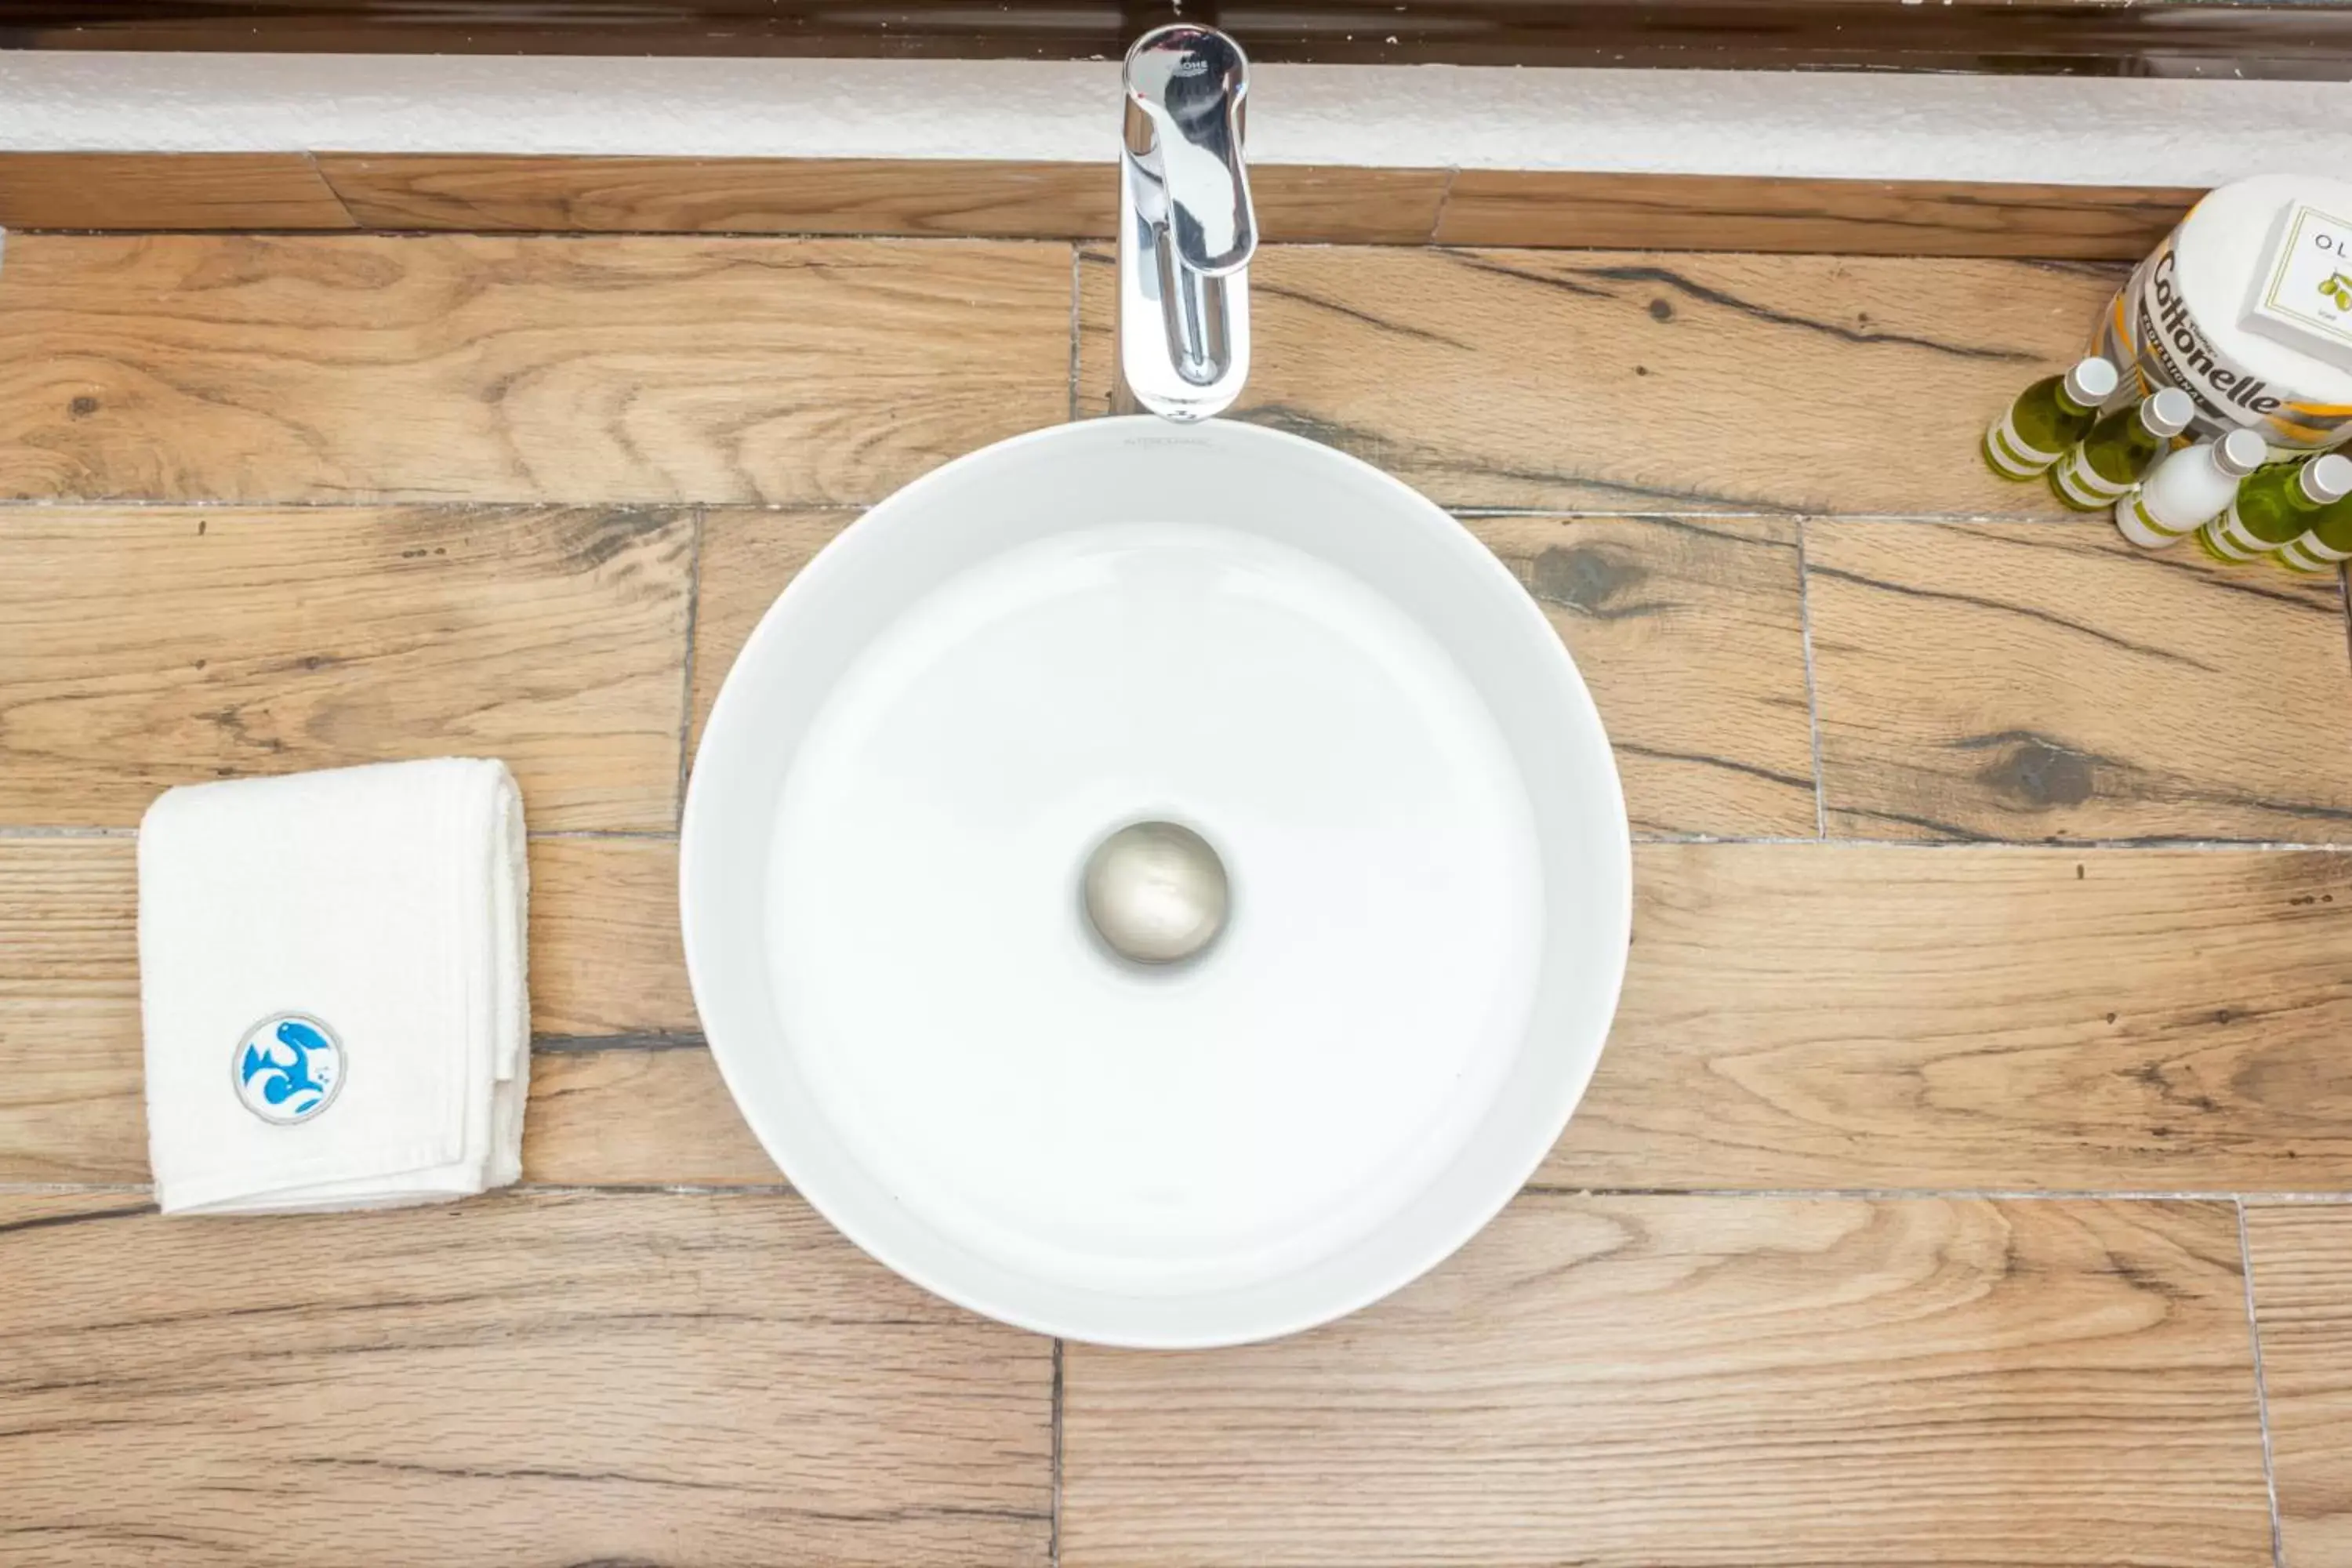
(2179, 320)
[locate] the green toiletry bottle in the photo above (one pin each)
(2120, 449)
(2324, 544)
(2277, 507)
(2047, 418)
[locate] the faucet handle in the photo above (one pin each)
(1184, 91)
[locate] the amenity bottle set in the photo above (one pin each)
(2242, 504)
(2219, 383)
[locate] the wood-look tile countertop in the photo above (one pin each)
(1967, 1180)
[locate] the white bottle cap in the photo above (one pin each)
(2091, 382)
(2240, 453)
(2327, 478)
(2167, 412)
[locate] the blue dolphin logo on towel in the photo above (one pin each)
(296, 1071)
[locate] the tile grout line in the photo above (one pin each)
(647, 1040)
(2343, 601)
(1074, 273)
(2074, 846)
(929, 237)
(97, 830)
(778, 1188)
(400, 501)
(1943, 845)
(2066, 845)
(781, 1187)
(1444, 200)
(326, 182)
(1812, 688)
(1966, 1194)
(29, 833)
(2262, 1387)
(685, 676)
(1632, 512)
(1054, 1529)
(650, 834)
(395, 502)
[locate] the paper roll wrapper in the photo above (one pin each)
(2179, 320)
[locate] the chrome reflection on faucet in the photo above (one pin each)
(1187, 229)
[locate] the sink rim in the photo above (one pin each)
(1537, 655)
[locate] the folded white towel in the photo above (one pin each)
(331, 970)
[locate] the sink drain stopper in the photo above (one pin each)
(1155, 892)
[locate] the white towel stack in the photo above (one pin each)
(331, 969)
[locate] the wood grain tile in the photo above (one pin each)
(2030, 682)
(951, 196)
(1827, 1018)
(632, 1116)
(748, 557)
(1852, 217)
(552, 1378)
(2302, 1260)
(1014, 199)
(1794, 1017)
(1338, 206)
(164, 646)
(920, 196)
(606, 953)
(1616, 383)
(165, 191)
(1977, 1018)
(1658, 1382)
(603, 961)
(1690, 634)
(482, 368)
(71, 1081)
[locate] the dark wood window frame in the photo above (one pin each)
(2309, 39)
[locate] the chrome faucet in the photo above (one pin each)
(1186, 229)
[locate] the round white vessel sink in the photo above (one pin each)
(1157, 885)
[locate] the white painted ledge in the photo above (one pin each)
(1795, 124)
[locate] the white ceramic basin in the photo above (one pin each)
(1219, 626)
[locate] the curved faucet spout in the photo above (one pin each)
(1187, 228)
